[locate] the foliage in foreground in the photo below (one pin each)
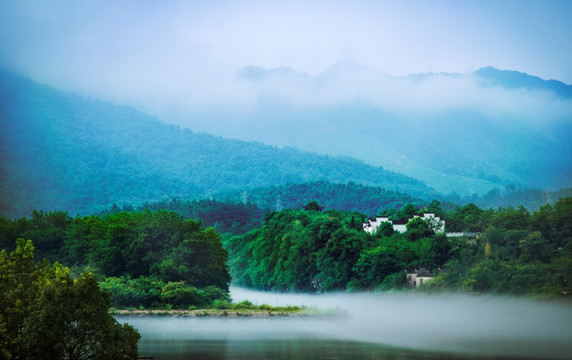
(45, 314)
(143, 258)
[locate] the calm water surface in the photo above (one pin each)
(285, 338)
(377, 327)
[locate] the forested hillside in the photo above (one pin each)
(514, 251)
(513, 128)
(532, 199)
(369, 200)
(60, 151)
(155, 259)
(238, 212)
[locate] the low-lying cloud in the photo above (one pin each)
(348, 83)
(458, 323)
(179, 59)
(462, 324)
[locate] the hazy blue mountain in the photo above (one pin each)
(62, 151)
(515, 79)
(470, 134)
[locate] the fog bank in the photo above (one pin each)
(487, 325)
(177, 59)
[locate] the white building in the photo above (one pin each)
(416, 277)
(401, 226)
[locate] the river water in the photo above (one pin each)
(376, 327)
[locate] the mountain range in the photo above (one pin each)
(61, 151)
(64, 151)
(458, 133)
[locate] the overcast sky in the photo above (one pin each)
(169, 54)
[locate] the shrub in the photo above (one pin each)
(243, 305)
(181, 295)
(221, 304)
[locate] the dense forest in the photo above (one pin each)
(241, 211)
(369, 200)
(225, 216)
(151, 259)
(238, 212)
(372, 200)
(531, 199)
(159, 258)
(512, 252)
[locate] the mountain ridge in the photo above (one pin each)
(517, 79)
(83, 155)
(457, 151)
(504, 132)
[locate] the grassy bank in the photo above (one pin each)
(225, 309)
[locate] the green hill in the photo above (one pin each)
(238, 212)
(369, 200)
(62, 151)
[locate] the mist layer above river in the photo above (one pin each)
(475, 325)
(458, 323)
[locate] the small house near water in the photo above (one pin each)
(417, 276)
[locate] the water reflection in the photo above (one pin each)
(283, 349)
(218, 339)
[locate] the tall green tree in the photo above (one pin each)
(49, 315)
(418, 228)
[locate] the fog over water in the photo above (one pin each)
(476, 325)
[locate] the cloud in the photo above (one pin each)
(349, 83)
(186, 57)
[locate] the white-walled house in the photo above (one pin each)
(416, 277)
(401, 226)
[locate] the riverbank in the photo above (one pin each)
(255, 313)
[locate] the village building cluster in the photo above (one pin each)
(415, 276)
(400, 226)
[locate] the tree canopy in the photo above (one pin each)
(136, 254)
(508, 251)
(45, 314)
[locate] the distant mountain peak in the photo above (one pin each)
(514, 79)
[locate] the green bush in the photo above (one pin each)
(181, 295)
(243, 305)
(213, 293)
(221, 304)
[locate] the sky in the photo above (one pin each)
(169, 56)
